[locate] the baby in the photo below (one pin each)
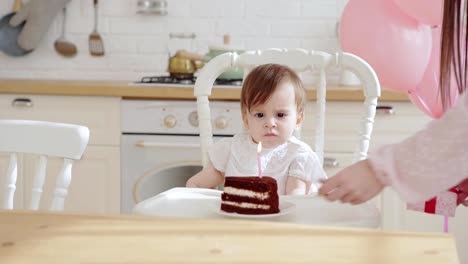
(272, 104)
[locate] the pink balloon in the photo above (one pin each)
(425, 11)
(395, 45)
(426, 96)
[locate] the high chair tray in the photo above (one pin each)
(309, 209)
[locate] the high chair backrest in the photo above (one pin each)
(44, 139)
(299, 60)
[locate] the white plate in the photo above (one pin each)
(284, 206)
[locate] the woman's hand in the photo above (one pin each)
(354, 184)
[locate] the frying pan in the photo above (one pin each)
(9, 37)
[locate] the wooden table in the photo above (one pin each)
(40, 237)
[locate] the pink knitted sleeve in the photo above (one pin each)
(432, 160)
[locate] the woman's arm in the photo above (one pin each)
(432, 160)
(418, 168)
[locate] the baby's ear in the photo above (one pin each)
(244, 119)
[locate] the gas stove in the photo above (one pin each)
(185, 81)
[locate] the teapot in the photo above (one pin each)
(179, 66)
(182, 67)
(214, 51)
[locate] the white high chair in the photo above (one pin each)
(45, 139)
(203, 203)
(299, 60)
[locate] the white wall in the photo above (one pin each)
(137, 45)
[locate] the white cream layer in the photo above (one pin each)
(248, 205)
(247, 193)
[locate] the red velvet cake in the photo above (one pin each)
(250, 195)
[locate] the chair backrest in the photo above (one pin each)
(299, 60)
(44, 139)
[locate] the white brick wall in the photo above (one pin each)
(137, 45)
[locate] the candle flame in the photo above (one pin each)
(259, 147)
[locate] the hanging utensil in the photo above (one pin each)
(17, 4)
(9, 34)
(62, 46)
(96, 46)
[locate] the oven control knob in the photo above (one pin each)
(193, 118)
(221, 122)
(170, 121)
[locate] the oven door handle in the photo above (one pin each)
(144, 144)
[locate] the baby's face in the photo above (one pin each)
(273, 122)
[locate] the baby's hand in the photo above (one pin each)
(295, 186)
(355, 184)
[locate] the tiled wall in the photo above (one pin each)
(137, 45)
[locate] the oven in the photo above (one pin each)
(160, 144)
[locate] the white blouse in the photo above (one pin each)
(237, 156)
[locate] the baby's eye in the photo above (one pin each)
(281, 114)
(259, 115)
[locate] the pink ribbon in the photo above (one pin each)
(463, 193)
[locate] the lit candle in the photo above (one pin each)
(259, 162)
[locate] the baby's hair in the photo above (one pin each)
(262, 82)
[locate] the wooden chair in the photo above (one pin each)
(299, 60)
(44, 139)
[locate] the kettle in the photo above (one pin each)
(214, 51)
(183, 67)
(178, 66)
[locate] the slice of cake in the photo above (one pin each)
(250, 195)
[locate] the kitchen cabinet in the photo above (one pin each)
(95, 186)
(394, 121)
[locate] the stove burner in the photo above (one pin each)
(166, 79)
(187, 81)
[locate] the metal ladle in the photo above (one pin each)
(62, 46)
